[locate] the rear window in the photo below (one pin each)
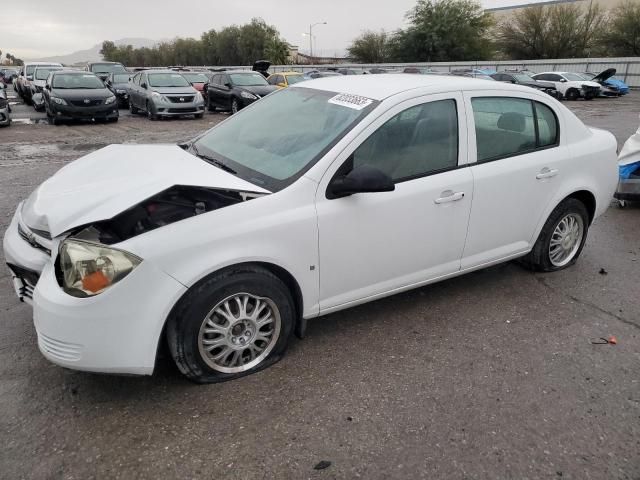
(107, 68)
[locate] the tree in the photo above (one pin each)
(445, 30)
(277, 51)
(370, 47)
(558, 31)
(622, 35)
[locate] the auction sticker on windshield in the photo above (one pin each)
(351, 101)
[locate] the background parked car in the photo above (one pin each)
(320, 74)
(103, 69)
(197, 79)
(73, 94)
(164, 93)
(571, 85)
(610, 86)
(7, 75)
(25, 77)
(5, 108)
(285, 79)
(40, 75)
(234, 90)
(473, 73)
(118, 83)
(522, 78)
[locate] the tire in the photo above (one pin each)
(199, 115)
(210, 106)
(132, 108)
(189, 340)
(541, 258)
(150, 114)
(235, 106)
(572, 94)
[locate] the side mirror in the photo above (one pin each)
(143, 85)
(228, 84)
(563, 80)
(363, 179)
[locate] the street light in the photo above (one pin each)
(311, 37)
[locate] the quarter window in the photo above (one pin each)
(419, 141)
(507, 127)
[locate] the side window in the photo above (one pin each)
(273, 79)
(280, 79)
(542, 76)
(554, 77)
(504, 127)
(547, 125)
(420, 140)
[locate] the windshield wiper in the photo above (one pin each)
(213, 161)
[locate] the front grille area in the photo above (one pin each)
(82, 103)
(28, 280)
(31, 240)
(176, 99)
(69, 352)
(182, 110)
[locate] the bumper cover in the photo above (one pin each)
(71, 112)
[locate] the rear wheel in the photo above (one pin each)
(232, 324)
(210, 105)
(132, 108)
(562, 238)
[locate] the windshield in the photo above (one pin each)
(31, 68)
(121, 78)
(74, 80)
(107, 68)
(523, 77)
(574, 77)
(167, 80)
(264, 150)
(196, 77)
(294, 79)
(247, 79)
(587, 75)
(43, 73)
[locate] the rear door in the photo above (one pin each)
(516, 145)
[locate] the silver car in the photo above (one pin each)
(164, 93)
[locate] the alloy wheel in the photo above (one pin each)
(566, 239)
(239, 333)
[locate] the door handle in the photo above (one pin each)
(449, 196)
(547, 173)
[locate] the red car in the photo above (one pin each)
(197, 79)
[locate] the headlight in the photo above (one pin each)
(90, 268)
(59, 101)
(110, 100)
(120, 91)
(198, 97)
(157, 96)
(247, 95)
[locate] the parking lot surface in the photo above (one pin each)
(490, 375)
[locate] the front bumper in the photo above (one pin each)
(116, 331)
(70, 112)
(171, 109)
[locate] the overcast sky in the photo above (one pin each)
(37, 28)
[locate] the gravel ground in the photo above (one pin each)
(490, 375)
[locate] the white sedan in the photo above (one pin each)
(571, 85)
(325, 195)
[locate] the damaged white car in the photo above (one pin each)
(322, 196)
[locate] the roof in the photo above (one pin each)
(379, 87)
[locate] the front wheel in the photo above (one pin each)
(231, 324)
(562, 238)
(572, 94)
(235, 107)
(132, 108)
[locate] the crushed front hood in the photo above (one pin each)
(111, 180)
(605, 75)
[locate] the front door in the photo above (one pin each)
(373, 244)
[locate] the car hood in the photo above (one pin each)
(111, 180)
(261, 90)
(174, 90)
(81, 93)
(605, 75)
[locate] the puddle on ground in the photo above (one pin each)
(39, 149)
(30, 121)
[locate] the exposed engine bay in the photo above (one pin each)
(167, 207)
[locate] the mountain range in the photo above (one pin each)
(93, 54)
